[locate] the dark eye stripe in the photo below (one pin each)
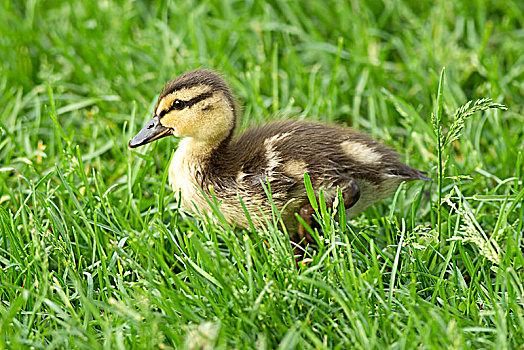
(198, 98)
(188, 103)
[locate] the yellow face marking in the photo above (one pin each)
(360, 152)
(183, 94)
(209, 119)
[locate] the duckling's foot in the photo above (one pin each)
(306, 213)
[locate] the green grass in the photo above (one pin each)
(96, 253)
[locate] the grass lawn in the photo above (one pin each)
(95, 252)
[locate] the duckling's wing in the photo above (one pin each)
(322, 150)
(280, 153)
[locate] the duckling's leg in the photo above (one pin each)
(306, 213)
(350, 195)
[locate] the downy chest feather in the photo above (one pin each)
(185, 177)
(183, 172)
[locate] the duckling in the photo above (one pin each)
(199, 107)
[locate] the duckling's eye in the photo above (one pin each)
(178, 104)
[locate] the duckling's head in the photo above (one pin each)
(197, 104)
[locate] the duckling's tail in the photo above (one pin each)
(407, 173)
(411, 174)
(421, 175)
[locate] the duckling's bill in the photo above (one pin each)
(152, 131)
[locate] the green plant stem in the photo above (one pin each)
(440, 169)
